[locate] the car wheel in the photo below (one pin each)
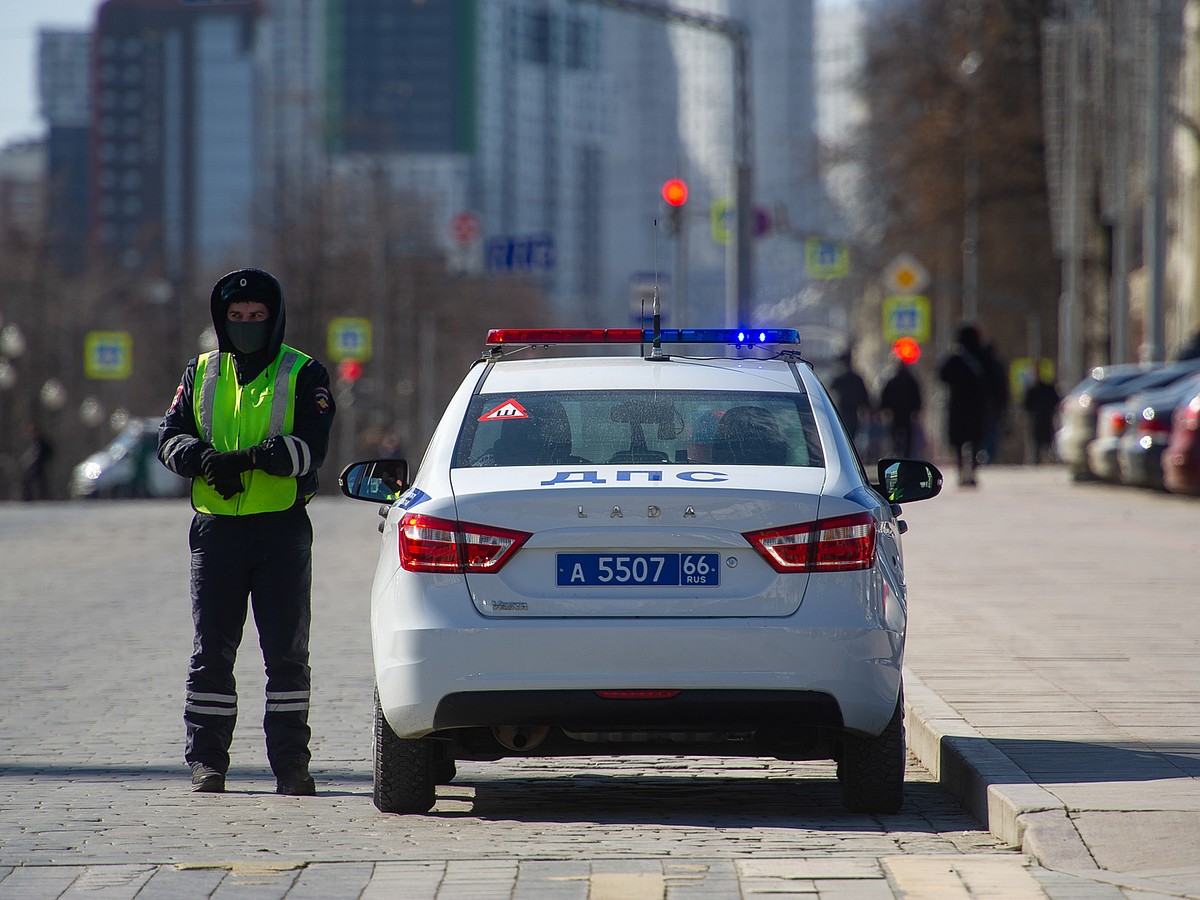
(404, 770)
(871, 769)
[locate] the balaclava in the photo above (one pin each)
(253, 344)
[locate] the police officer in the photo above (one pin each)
(249, 425)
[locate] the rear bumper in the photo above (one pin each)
(734, 674)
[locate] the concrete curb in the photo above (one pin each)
(990, 786)
(998, 793)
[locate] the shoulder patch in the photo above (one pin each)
(323, 400)
(175, 400)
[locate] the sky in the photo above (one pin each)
(20, 21)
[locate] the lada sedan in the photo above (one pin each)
(641, 552)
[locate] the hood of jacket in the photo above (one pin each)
(248, 284)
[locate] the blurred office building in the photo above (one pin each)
(533, 136)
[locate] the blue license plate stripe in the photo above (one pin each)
(638, 569)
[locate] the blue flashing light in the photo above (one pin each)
(737, 336)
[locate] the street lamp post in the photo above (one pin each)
(739, 267)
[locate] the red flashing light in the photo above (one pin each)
(907, 350)
(675, 191)
(350, 370)
(564, 336)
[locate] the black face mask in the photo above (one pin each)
(248, 337)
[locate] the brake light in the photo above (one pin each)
(840, 544)
(1116, 422)
(430, 544)
(638, 694)
(1151, 423)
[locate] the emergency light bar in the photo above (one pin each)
(736, 336)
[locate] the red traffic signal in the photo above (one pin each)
(907, 350)
(350, 370)
(674, 191)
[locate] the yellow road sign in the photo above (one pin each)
(905, 276)
(824, 258)
(108, 355)
(906, 315)
(349, 338)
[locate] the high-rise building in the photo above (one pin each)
(543, 128)
(174, 142)
(63, 68)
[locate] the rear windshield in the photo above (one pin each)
(643, 427)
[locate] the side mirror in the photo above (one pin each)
(374, 480)
(908, 480)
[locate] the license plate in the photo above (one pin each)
(639, 569)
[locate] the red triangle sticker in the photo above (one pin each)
(509, 409)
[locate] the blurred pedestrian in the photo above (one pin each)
(1041, 403)
(250, 426)
(998, 401)
(35, 481)
(853, 401)
(965, 374)
(900, 401)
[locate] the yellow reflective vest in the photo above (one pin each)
(234, 416)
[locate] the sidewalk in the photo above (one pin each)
(1054, 670)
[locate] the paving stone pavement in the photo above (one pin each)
(1055, 652)
(93, 798)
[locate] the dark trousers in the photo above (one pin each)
(268, 559)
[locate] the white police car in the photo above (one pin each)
(639, 553)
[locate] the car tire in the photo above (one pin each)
(871, 769)
(404, 770)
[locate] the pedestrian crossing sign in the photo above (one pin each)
(108, 355)
(906, 315)
(350, 338)
(825, 258)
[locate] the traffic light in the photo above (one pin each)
(349, 371)
(907, 350)
(675, 192)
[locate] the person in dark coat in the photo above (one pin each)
(965, 373)
(853, 401)
(1041, 402)
(35, 482)
(900, 400)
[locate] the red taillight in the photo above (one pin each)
(430, 544)
(638, 694)
(841, 544)
(1151, 423)
(1116, 422)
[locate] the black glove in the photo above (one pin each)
(216, 464)
(223, 471)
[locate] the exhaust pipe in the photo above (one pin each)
(520, 737)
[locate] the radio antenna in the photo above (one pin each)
(656, 348)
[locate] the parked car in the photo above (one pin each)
(628, 554)
(1181, 458)
(1077, 414)
(1148, 431)
(1111, 422)
(1080, 407)
(128, 467)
